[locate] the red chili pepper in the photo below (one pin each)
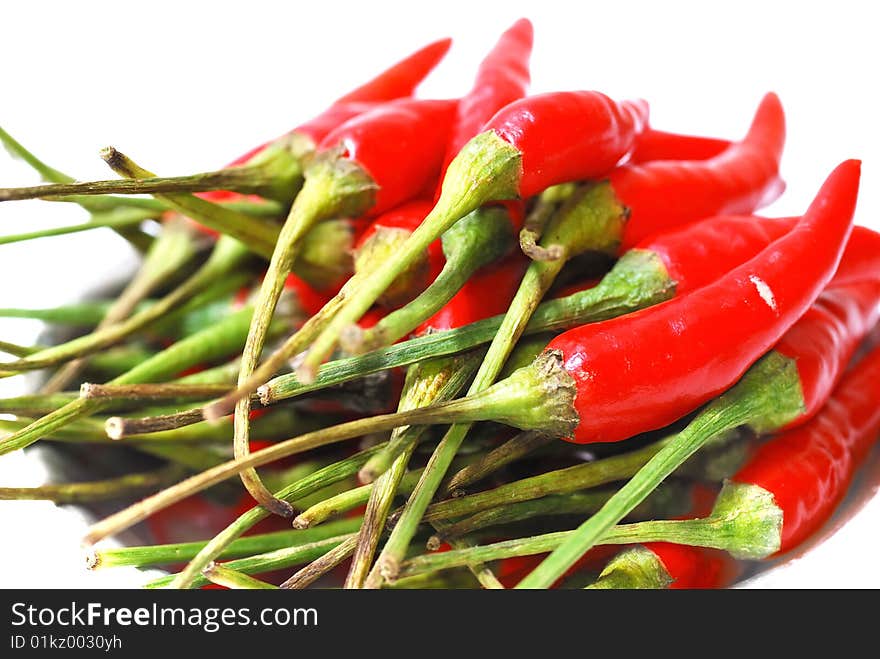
(503, 77)
(566, 136)
(823, 341)
(398, 145)
(644, 371)
(808, 469)
(664, 194)
(784, 388)
(528, 146)
(484, 235)
(861, 260)
(654, 145)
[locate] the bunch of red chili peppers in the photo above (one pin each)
(371, 351)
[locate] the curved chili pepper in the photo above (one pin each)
(527, 146)
(483, 236)
(680, 354)
(503, 77)
(808, 469)
(661, 145)
(784, 388)
(742, 178)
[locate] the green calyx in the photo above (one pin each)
(746, 522)
(487, 168)
(590, 219)
(344, 187)
(537, 397)
(282, 165)
(633, 569)
(485, 235)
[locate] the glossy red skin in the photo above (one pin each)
(694, 567)
(661, 145)
(808, 469)
(643, 371)
(503, 77)
(400, 144)
(861, 260)
(664, 194)
(700, 253)
(824, 340)
(487, 293)
(568, 136)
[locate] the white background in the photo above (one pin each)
(185, 87)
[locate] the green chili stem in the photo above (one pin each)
(258, 234)
(767, 397)
(310, 573)
(228, 578)
(559, 504)
(174, 247)
(16, 350)
(84, 314)
(301, 488)
(559, 481)
(428, 382)
(267, 562)
(137, 238)
(537, 279)
(222, 339)
(227, 255)
(274, 173)
(253, 544)
(296, 343)
(671, 499)
(517, 400)
(114, 220)
(745, 522)
(144, 392)
(333, 185)
(90, 492)
(381, 498)
(510, 451)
